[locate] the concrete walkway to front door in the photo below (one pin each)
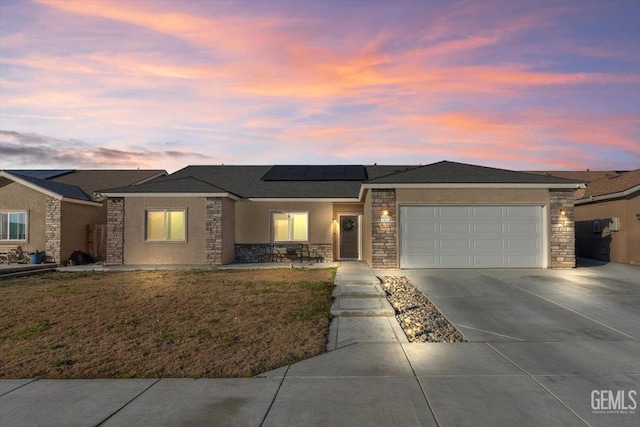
(373, 378)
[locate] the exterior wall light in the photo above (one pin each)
(563, 212)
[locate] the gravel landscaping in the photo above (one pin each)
(420, 320)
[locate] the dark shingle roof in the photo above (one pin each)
(92, 180)
(245, 181)
(41, 173)
(64, 190)
(453, 173)
(249, 182)
(187, 184)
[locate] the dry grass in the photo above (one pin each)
(162, 324)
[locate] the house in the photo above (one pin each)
(50, 209)
(441, 215)
(607, 215)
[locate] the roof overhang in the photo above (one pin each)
(521, 186)
(611, 196)
(46, 192)
(149, 178)
(306, 199)
(221, 195)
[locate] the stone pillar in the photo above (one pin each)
(383, 230)
(115, 231)
(53, 229)
(213, 230)
(563, 236)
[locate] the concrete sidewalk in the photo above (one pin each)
(370, 378)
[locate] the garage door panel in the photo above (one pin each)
(425, 260)
(522, 212)
(453, 212)
(455, 244)
(487, 212)
(484, 244)
(471, 236)
(488, 261)
(522, 244)
(419, 213)
(419, 246)
(453, 228)
(525, 228)
(453, 260)
(419, 230)
(490, 228)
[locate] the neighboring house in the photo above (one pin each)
(50, 209)
(442, 215)
(607, 215)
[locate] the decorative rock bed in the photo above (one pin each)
(420, 320)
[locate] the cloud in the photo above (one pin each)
(33, 151)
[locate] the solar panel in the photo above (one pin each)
(295, 173)
(316, 173)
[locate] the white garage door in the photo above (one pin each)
(470, 236)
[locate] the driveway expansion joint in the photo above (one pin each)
(129, 402)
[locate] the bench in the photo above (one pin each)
(10, 254)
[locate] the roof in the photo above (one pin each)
(615, 185)
(41, 173)
(92, 180)
(326, 182)
(601, 183)
(584, 176)
(187, 184)
(62, 190)
(456, 173)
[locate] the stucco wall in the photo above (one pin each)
(138, 251)
(228, 231)
(617, 246)
(17, 197)
(253, 220)
(75, 218)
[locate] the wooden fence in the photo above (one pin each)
(97, 240)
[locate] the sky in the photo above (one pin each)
(523, 85)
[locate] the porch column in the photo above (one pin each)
(563, 236)
(213, 239)
(383, 234)
(115, 231)
(53, 228)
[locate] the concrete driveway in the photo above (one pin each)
(552, 341)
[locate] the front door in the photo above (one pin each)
(349, 237)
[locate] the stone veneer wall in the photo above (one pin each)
(383, 234)
(213, 229)
(261, 252)
(562, 239)
(115, 231)
(53, 229)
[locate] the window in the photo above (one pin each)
(13, 226)
(290, 226)
(166, 224)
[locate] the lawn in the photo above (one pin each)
(189, 323)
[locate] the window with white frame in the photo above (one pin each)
(13, 226)
(166, 225)
(290, 226)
